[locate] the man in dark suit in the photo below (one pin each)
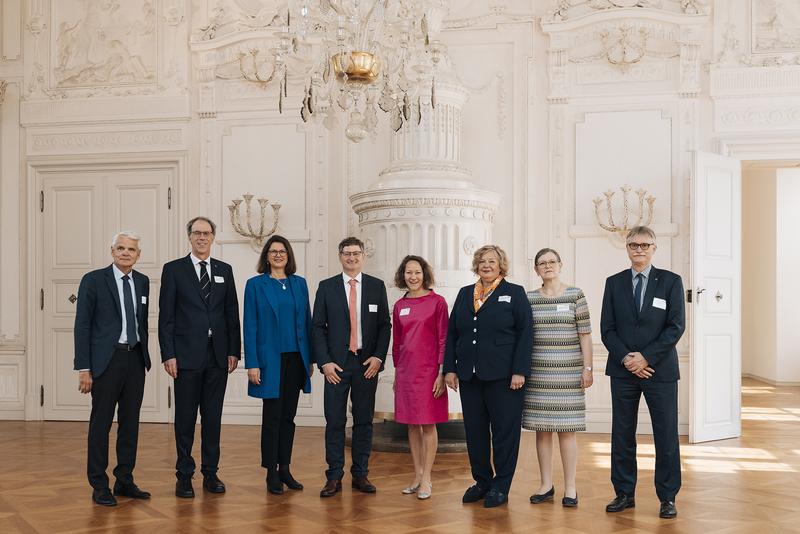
(350, 338)
(198, 330)
(642, 320)
(111, 357)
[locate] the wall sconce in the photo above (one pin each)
(642, 219)
(258, 238)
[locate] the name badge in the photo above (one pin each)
(504, 298)
(659, 303)
(373, 308)
(562, 307)
(405, 311)
(219, 280)
(144, 299)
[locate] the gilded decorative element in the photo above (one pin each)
(642, 217)
(257, 238)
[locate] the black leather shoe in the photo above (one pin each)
(538, 498)
(130, 490)
(331, 488)
(620, 503)
(104, 497)
(363, 485)
(274, 484)
(213, 484)
(184, 489)
(474, 494)
(570, 502)
(668, 510)
(494, 498)
(286, 477)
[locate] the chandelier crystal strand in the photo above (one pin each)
(355, 57)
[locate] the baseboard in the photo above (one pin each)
(770, 381)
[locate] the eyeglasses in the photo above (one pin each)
(355, 254)
(196, 233)
(637, 246)
(277, 252)
(548, 263)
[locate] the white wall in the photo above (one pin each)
(786, 280)
(759, 261)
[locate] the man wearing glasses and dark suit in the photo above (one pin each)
(350, 338)
(198, 330)
(643, 319)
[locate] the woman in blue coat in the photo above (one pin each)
(277, 326)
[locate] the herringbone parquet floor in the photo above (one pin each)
(746, 485)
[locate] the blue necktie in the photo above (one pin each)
(205, 281)
(637, 292)
(130, 314)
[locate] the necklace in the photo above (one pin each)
(281, 282)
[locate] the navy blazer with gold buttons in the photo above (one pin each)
(494, 343)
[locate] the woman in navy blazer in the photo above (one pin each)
(488, 352)
(277, 328)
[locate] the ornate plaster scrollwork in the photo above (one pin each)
(563, 10)
(3, 85)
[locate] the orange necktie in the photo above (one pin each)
(353, 317)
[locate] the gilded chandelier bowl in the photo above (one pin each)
(356, 67)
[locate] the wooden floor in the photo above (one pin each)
(746, 485)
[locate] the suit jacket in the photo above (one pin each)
(656, 330)
(330, 332)
(184, 317)
(262, 334)
(494, 343)
(98, 319)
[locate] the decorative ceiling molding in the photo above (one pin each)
(564, 10)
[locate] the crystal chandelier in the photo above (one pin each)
(355, 57)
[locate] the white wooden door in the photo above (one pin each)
(716, 357)
(82, 212)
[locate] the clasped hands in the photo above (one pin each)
(331, 370)
(171, 365)
(637, 364)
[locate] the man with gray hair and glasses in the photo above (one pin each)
(643, 319)
(111, 357)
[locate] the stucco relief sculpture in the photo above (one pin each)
(102, 42)
(776, 25)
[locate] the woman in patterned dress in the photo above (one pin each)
(561, 368)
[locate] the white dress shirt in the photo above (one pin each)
(346, 278)
(123, 337)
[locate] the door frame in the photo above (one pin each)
(37, 170)
(755, 147)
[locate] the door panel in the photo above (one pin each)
(716, 309)
(83, 210)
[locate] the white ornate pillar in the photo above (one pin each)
(425, 203)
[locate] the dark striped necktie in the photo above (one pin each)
(205, 281)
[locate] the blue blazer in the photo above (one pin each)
(98, 319)
(497, 341)
(654, 332)
(262, 336)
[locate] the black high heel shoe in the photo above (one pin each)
(286, 478)
(569, 502)
(538, 498)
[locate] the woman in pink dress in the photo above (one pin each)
(420, 398)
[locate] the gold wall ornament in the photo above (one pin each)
(257, 238)
(643, 217)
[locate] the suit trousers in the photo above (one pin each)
(277, 415)
(202, 388)
(492, 411)
(362, 396)
(662, 401)
(120, 388)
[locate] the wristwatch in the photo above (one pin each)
(587, 368)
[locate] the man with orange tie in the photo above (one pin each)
(350, 338)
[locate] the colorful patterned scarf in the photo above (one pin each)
(481, 294)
